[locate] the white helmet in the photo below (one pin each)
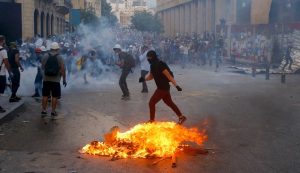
(66, 45)
(117, 46)
(54, 46)
(43, 48)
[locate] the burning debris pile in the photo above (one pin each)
(148, 140)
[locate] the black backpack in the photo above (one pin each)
(52, 66)
(129, 60)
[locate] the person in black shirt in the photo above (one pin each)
(14, 61)
(160, 72)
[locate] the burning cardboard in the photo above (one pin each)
(147, 140)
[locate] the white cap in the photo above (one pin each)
(117, 46)
(43, 48)
(54, 46)
(66, 45)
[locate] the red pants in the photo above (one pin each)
(166, 97)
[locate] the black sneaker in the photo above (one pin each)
(13, 99)
(125, 98)
(181, 120)
(2, 110)
(18, 98)
(43, 114)
(54, 115)
(151, 121)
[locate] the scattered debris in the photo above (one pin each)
(159, 160)
(33, 160)
(174, 161)
(78, 157)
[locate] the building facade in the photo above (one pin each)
(125, 9)
(41, 17)
(93, 5)
(197, 16)
(186, 16)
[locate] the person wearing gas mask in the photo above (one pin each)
(162, 75)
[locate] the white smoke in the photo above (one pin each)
(91, 38)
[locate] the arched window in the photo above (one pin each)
(36, 22)
(47, 25)
(51, 25)
(42, 24)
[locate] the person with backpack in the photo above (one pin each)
(126, 62)
(162, 75)
(54, 68)
(15, 65)
(3, 67)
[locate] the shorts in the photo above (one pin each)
(2, 84)
(51, 88)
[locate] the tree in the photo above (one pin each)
(145, 21)
(106, 12)
(89, 17)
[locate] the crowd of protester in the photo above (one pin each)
(90, 57)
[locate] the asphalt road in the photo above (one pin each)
(253, 125)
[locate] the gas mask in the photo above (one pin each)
(152, 60)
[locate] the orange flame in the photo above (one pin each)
(159, 139)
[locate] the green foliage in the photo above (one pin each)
(88, 17)
(145, 21)
(107, 13)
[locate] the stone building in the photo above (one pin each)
(38, 17)
(125, 9)
(197, 16)
(93, 5)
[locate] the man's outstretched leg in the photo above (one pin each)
(154, 99)
(168, 100)
(44, 106)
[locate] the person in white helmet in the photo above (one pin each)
(126, 63)
(53, 68)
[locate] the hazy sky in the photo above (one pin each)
(151, 3)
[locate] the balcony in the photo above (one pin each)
(63, 6)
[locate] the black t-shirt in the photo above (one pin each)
(162, 82)
(11, 58)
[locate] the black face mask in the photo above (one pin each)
(152, 60)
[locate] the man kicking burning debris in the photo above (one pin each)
(162, 75)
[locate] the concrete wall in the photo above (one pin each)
(28, 24)
(186, 16)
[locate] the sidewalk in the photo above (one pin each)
(9, 107)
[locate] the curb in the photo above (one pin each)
(10, 108)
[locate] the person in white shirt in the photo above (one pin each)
(3, 67)
(145, 67)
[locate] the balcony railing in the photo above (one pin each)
(63, 6)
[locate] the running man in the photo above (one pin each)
(160, 72)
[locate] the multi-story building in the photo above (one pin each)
(93, 5)
(78, 5)
(28, 18)
(125, 9)
(197, 16)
